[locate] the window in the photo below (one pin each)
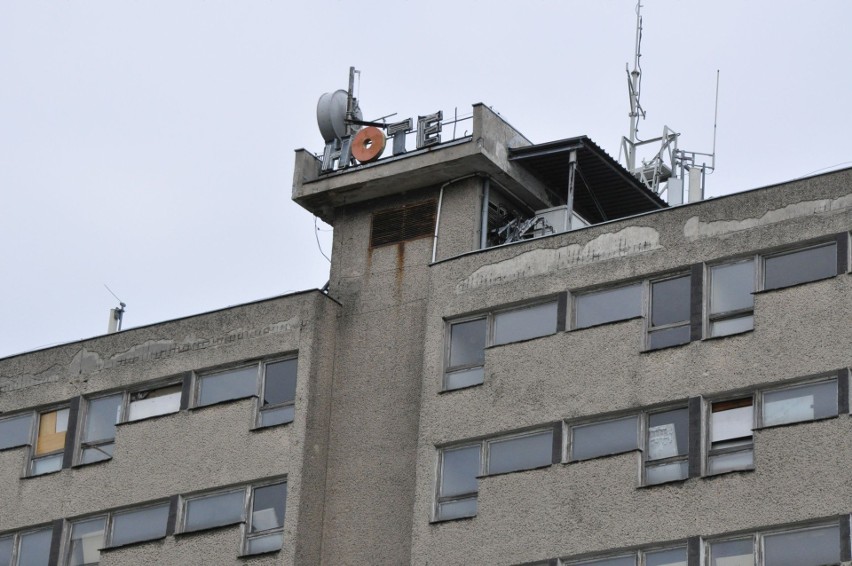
(265, 529)
(279, 392)
(153, 402)
(460, 466)
(26, 548)
(261, 507)
(604, 438)
(237, 383)
(466, 353)
(457, 483)
(50, 442)
(669, 320)
(524, 323)
(469, 338)
(659, 557)
(799, 403)
(98, 437)
(214, 510)
(667, 446)
(117, 528)
(273, 383)
(800, 266)
(15, 431)
(813, 546)
(731, 307)
(404, 223)
(608, 305)
(731, 442)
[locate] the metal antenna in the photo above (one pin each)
(115, 315)
(634, 88)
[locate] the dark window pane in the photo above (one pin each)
(15, 431)
(668, 434)
(101, 417)
(731, 287)
(670, 301)
(143, 524)
(6, 550)
(811, 547)
(214, 510)
(459, 470)
(801, 266)
(465, 378)
(267, 511)
(525, 323)
(467, 343)
(601, 439)
(233, 384)
(280, 382)
(721, 553)
(668, 337)
(673, 557)
(803, 403)
(520, 453)
(609, 305)
(87, 538)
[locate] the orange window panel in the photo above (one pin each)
(51, 437)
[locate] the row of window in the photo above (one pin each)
(671, 448)
(676, 308)
(818, 544)
(83, 431)
(260, 508)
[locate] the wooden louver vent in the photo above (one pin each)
(403, 223)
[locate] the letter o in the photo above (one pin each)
(368, 145)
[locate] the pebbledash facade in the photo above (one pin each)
(654, 386)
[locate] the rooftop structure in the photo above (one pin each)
(523, 356)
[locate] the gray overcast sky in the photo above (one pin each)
(149, 145)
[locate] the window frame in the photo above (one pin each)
(798, 248)
(199, 375)
(109, 524)
(643, 302)
(439, 499)
(148, 387)
(183, 507)
(36, 428)
(710, 317)
(649, 310)
(645, 430)
(10, 416)
(247, 522)
(490, 316)
(758, 538)
(639, 555)
(710, 452)
(16, 537)
(83, 419)
(760, 394)
(598, 420)
(262, 392)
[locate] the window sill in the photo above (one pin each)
(591, 458)
(215, 528)
(261, 428)
(29, 477)
(709, 476)
(650, 350)
(222, 402)
(86, 465)
(542, 467)
(445, 391)
(722, 336)
(451, 520)
(608, 323)
(6, 449)
(150, 418)
(774, 289)
(795, 423)
(663, 483)
(259, 554)
(131, 544)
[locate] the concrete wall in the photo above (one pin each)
(577, 508)
(190, 450)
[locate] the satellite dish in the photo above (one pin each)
(331, 115)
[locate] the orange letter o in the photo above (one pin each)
(368, 145)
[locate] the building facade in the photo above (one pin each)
(522, 357)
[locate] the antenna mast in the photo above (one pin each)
(115, 315)
(634, 87)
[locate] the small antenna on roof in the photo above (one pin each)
(115, 315)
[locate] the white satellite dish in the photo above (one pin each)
(331, 115)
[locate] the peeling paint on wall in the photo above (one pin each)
(86, 362)
(695, 229)
(629, 241)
